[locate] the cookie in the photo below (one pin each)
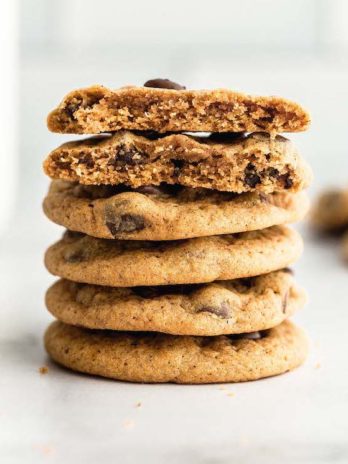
(97, 109)
(223, 307)
(156, 358)
(166, 212)
(118, 263)
(345, 246)
(330, 212)
(235, 164)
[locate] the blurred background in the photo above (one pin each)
(293, 48)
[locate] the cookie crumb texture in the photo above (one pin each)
(234, 164)
(166, 212)
(157, 358)
(118, 263)
(97, 109)
(225, 307)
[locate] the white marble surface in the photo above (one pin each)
(65, 417)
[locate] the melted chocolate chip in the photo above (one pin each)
(127, 156)
(87, 160)
(178, 164)
(222, 311)
(74, 256)
(163, 84)
(288, 270)
(248, 336)
(285, 302)
(251, 177)
(122, 223)
(273, 172)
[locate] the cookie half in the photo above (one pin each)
(156, 358)
(330, 212)
(235, 163)
(97, 109)
(166, 212)
(119, 263)
(224, 307)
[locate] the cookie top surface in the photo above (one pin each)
(226, 162)
(97, 109)
(153, 357)
(166, 212)
(223, 307)
(118, 263)
(330, 211)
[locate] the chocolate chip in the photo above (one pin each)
(288, 270)
(178, 164)
(251, 177)
(123, 223)
(222, 311)
(87, 159)
(72, 107)
(62, 164)
(285, 302)
(163, 84)
(288, 182)
(248, 336)
(273, 172)
(74, 256)
(127, 156)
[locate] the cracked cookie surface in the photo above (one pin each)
(222, 307)
(235, 163)
(120, 263)
(97, 109)
(158, 358)
(166, 212)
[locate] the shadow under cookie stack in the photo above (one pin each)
(174, 266)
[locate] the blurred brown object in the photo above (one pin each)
(345, 246)
(330, 211)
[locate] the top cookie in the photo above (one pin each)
(97, 109)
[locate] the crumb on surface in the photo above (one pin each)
(128, 424)
(138, 404)
(231, 394)
(43, 370)
(318, 365)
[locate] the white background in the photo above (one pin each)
(294, 48)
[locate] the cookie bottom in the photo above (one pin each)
(158, 358)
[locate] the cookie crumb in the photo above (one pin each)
(43, 370)
(138, 405)
(317, 366)
(128, 424)
(231, 394)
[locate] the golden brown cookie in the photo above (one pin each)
(97, 109)
(330, 212)
(155, 358)
(345, 246)
(166, 212)
(235, 164)
(118, 263)
(223, 307)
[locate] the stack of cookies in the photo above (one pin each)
(174, 265)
